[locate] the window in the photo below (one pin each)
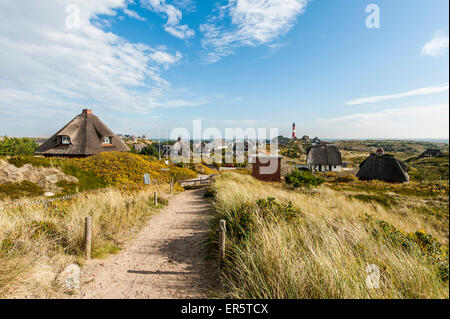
(65, 140)
(106, 140)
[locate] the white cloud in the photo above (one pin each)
(180, 31)
(165, 58)
(421, 91)
(253, 22)
(133, 14)
(410, 122)
(174, 17)
(437, 46)
(48, 69)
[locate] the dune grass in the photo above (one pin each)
(38, 241)
(20, 189)
(319, 243)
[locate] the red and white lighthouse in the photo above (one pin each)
(293, 130)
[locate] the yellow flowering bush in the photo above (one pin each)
(126, 168)
(203, 169)
(427, 244)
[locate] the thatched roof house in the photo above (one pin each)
(305, 138)
(180, 148)
(83, 136)
(139, 146)
(431, 152)
(383, 167)
(324, 157)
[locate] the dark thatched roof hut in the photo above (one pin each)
(431, 152)
(85, 135)
(383, 167)
(324, 154)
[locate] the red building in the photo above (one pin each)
(266, 167)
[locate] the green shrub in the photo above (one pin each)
(20, 161)
(86, 180)
(22, 189)
(299, 178)
(10, 146)
(150, 150)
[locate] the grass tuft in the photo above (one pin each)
(291, 244)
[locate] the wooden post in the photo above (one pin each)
(156, 199)
(171, 185)
(222, 240)
(88, 237)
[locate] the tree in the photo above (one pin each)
(13, 146)
(150, 150)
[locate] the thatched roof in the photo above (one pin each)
(179, 148)
(431, 152)
(324, 154)
(85, 132)
(383, 167)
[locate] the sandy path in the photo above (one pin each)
(165, 260)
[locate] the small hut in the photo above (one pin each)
(85, 135)
(383, 167)
(266, 167)
(324, 157)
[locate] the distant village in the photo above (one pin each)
(87, 135)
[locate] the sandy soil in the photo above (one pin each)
(165, 260)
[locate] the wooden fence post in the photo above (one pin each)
(222, 240)
(88, 237)
(156, 199)
(171, 185)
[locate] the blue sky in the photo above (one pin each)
(148, 66)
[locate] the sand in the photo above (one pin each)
(165, 260)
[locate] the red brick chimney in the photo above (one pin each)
(87, 111)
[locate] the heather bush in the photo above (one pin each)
(299, 178)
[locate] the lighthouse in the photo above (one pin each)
(293, 131)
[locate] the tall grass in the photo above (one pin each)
(319, 245)
(38, 241)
